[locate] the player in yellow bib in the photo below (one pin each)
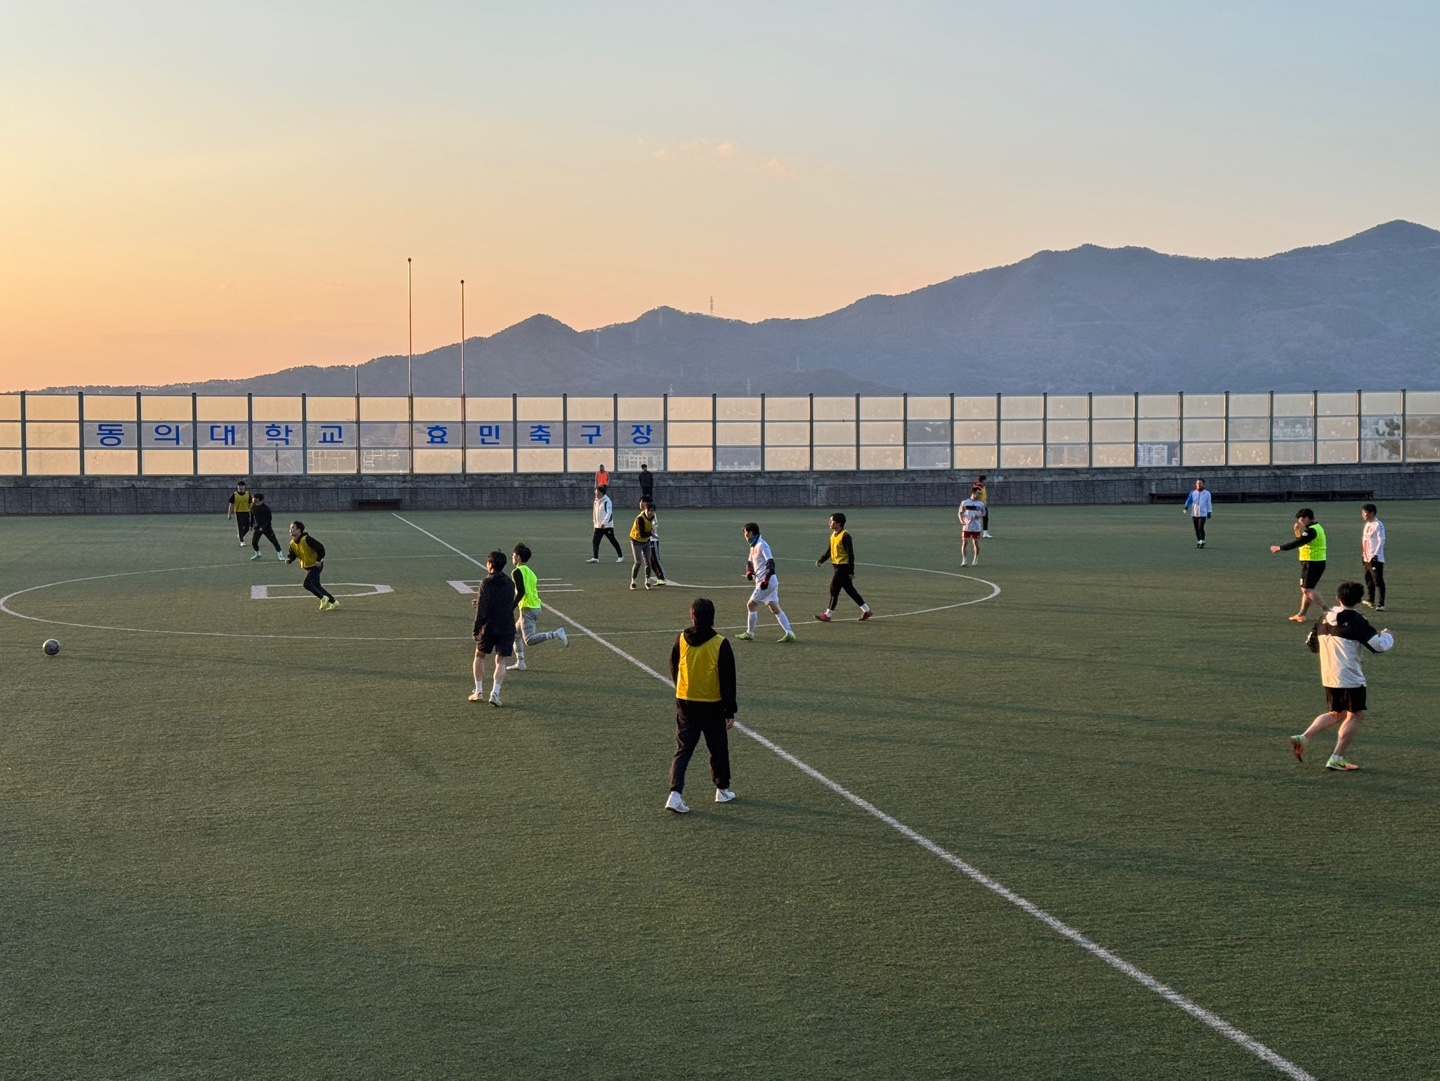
(1310, 540)
(703, 668)
(841, 554)
(640, 533)
(527, 609)
(238, 507)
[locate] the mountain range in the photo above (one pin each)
(1361, 312)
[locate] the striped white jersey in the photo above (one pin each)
(1343, 634)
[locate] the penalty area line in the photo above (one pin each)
(1211, 1020)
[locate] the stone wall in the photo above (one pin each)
(300, 495)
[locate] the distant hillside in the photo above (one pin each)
(1361, 312)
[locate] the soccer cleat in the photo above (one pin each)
(242, 542)
(560, 634)
(650, 581)
(647, 586)
(744, 636)
(866, 615)
(476, 696)
(1379, 608)
(254, 557)
(789, 636)
(1199, 544)
(723, 795)
(676, 805)
(984, 535)
(324, 604)
(593, 560)
(1296, 619)
(334, 603)
(632, 585)
(518, 666)
(1297, 744)
(661, 582)
(619, 559)
(823, 617)
(962, 563)
(1343, 765)
(495, 698)
(1367, 604)
(280, 556)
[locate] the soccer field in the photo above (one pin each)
(247, 839)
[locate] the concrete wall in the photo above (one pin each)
(300, 495)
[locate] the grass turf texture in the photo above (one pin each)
(257, 857)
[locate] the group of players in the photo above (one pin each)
(1341, 636)
(507, 610)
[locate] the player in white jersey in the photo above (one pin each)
(972, 524)
(760, 569)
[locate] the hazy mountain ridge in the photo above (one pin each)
(1361, 312)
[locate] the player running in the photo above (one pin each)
(527, 608)
(1310, 539)
(760, 569)
(260, 515)
(311, 555)
(238, 507)
(841, 554)
(1339, 637)
(972, 524)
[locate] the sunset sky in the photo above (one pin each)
(200, 190)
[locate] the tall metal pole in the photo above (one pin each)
(462, 338)
(410, 322)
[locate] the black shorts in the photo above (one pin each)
(503, 647)
(1345, 699)
(1310, 572)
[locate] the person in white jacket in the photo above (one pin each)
(1197, 505)
(602, 517)
(1340, 638)
(1372, 554)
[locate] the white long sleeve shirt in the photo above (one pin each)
(1198, 503)
(603, 514)
(1372, 541)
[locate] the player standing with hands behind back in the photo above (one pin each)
(238, 506)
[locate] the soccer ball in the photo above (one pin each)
(51, 647)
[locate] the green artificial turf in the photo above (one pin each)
(297, 851)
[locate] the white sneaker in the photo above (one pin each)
(242, 542)
(984, 535)
(676, 804)
(477, 696)
(495, 697)
(518, 666)
(254, 557)
(962, 563)
(723, 795)
(619, 559)
(560, 634)
(592, 561)
(280, 556)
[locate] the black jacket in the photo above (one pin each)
(495, 607)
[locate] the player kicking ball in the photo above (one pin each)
(760, 569)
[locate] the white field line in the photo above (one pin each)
(1169, 994)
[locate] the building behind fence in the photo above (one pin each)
(182, 435)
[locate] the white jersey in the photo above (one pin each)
(1372, 541)
(603, 514)
(762, 561)
(972, 515)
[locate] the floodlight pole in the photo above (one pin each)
(462, 338)
(410, 323)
